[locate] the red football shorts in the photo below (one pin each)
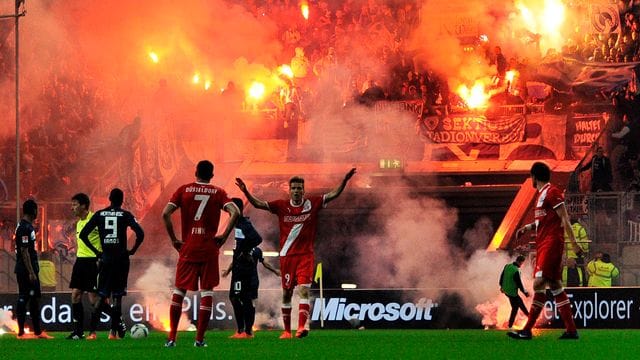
(549, 260)
(296, 270)
(188, 273)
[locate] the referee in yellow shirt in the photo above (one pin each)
(85, 270)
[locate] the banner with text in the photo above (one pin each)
(475, 129)
(583, 130)
(607, 308)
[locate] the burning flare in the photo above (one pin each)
(304, 9)
(544, 18)
(256, 91)
(286, 71)
(154, 57)
(476, 97)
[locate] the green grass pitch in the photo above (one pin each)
(337, 344)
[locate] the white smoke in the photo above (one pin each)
(6, 321)
(157, 278)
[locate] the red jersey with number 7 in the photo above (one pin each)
(298, 224)
(200, 205)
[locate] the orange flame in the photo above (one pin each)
(475, 97)
(544, 18)
(304, 9)
(256, 91)
(154, 57)
(286, 71)
(511, 75)
(196, 78)
(166, 326)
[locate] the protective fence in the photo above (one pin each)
(612, 221)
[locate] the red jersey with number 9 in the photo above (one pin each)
(297, 224)
(200, 205)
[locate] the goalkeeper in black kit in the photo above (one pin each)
(112, 223)
(243, 289)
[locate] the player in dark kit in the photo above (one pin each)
(27, 272)
(243, 290)
(112, 223)
(551, 223)
(200, 206)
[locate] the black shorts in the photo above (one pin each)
(85, 274)
(244, 287)
(112, 277)
(26, 287)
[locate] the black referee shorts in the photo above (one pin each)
(85, 274)
(244, 287)
(112, 278)
(26, 287)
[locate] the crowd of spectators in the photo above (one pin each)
(55, 125)
(615, 47)
(357, 48)
(366, 41)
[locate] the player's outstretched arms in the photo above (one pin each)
(338, 190)
(257, 203)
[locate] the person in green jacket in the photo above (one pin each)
(602, 272)
(510, 282)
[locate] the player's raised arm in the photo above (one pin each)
(332, 195)
(257, 203)
(168, 224)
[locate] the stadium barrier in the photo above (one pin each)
(608, 308)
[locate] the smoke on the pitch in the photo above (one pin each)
(6, 321)
(411, 244)
(154, 285)
(495, 307)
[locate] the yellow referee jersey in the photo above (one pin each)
(94, 238)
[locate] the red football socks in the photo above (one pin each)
(535, 310)
(204, 314)
(286, 317)
(175, 310)
(564, 308)
(303, 314)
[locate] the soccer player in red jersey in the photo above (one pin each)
(200, 205)
(298, 220)
(551, 223)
